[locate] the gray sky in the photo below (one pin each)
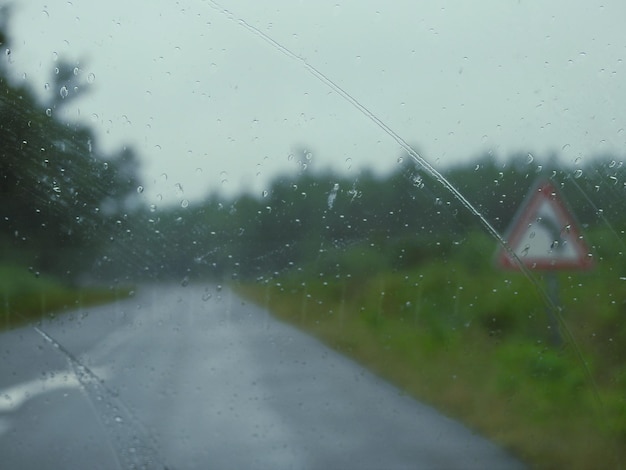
(214, 107)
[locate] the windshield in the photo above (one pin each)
(312, 235)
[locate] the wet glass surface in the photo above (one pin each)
(340, 234)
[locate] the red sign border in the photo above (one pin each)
(544, 190)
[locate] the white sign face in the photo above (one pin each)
(544, 234)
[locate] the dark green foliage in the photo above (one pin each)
(556, 376)
(59, 199)
(358, 225)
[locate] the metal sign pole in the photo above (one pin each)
(552, 285)
(545, 236)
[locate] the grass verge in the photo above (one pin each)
(26, 298)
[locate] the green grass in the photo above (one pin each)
(475, 343)
(26, 297)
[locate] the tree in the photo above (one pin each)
(58, 196)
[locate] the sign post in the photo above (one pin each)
(544, 236)
(552, 286)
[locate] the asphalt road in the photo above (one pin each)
(193, 377)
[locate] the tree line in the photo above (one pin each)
(366, 222)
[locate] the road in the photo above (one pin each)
(193, 377)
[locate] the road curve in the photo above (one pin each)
(194, 377)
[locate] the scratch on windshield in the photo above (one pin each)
(419, 160)
(133, 445)
(555, 310)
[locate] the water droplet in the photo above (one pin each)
(185, 281)
(264, 193)
(184, 203)
(63, 92)
(118, 419)
(417, 181)
(333, 195)
(529, 158)
(354, 194)
(139, 189)
(153, 207)
(400, 159)
(91, 77)
(49, 112)
(76, 70)
(578, 173)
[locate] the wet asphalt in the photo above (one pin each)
(195, 378)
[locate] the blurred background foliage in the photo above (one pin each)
(357, 224)
(59, 196)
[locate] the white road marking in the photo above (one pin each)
(12, 398)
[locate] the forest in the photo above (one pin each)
(367, 222)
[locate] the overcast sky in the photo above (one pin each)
(212, 106)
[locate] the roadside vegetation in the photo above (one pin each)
(475, 342)
(27, 297)
(62, 201)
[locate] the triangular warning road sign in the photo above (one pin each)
(544, 234)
